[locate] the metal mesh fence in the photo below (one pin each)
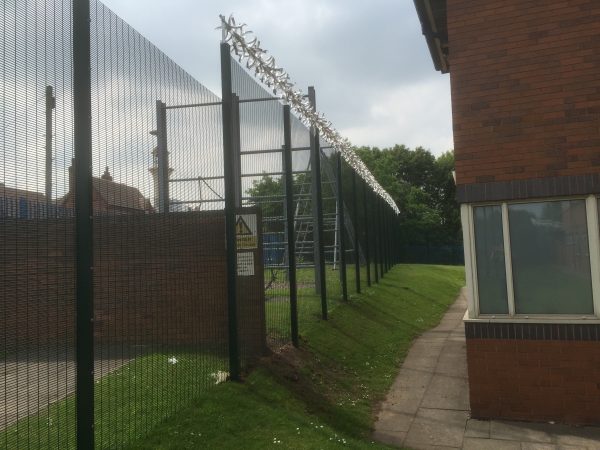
(217, 227)
(37, 279)
(355, 259)
(262, 184)
(309, 303)
(159, 267)
(331, 234)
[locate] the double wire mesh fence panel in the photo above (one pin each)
(309, 302)
(263, 179)
(364, 225)
(37, 271)
(261, 174)
(355, 271)
(159, 265)
(331, 232)
(160, 319)
(173, 314)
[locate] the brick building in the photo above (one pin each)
(525, 80)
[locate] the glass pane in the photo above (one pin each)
(550, 258)
(489, 251)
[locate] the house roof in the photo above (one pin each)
(433, 18)
(121, 195)
(116, 195)
(14, 193)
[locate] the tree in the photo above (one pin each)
(423, 188)
(268, 194)
(421, 185)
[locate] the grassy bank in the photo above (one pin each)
(128, 402)
(319, 396)
(277, 306)
(323, 395)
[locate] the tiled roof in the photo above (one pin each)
(115, 195)
(14, 193)
(121, 195)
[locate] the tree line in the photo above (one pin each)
(423, 187)
(421, 184)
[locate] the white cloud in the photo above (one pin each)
(415, 115)
(368, 60)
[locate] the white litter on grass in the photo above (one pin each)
(172, 360)
(220, 376)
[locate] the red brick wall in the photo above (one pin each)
(538, 380)
(525, 88)
(157, 279)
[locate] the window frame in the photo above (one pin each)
(593, 234)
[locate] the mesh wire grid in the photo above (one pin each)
(160, 268)
(160, 276)
(262, 185)
(160, 321)
(37, 279)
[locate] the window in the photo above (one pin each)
(550, 258)
(534, 258)
(489, 250)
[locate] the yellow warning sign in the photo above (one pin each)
(245, 231)
(241, 227)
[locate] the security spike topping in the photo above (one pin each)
(246, 46)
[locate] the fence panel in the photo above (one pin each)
(331, 235)
(189, 283)
(260, 148)
(309, 301)
(160, 307)
(37, 271)
(354, 251)
(450, 254)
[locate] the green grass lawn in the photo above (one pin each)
(320, 396)
(324, 394)
(129, 401)
(277, 308)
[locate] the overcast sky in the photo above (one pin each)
(368, 60)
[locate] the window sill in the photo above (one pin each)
(558, 319)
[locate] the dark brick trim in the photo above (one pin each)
(529, 188)
(533, 331)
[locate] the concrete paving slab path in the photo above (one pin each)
(40, 377)
(428, 404)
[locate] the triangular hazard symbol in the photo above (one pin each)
(242, 228)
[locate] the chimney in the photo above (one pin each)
(106, 175)
(72, 176)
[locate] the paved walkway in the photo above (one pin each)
(428, 405)
(32, 382)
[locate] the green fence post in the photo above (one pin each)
(84, 233)
(375, 233)
(366, 231)
(380, 231)
(289, 216)
(230, 210)
(356, 228)
(317, 204)
(341, 224)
